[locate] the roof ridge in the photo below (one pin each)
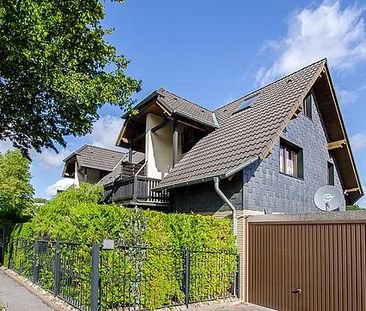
(93, 146)
(208, 110)
(273, 82)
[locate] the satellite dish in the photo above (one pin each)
(328, 198)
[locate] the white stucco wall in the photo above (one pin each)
(159, 147)
(77, 176)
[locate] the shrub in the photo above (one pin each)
(76, 216)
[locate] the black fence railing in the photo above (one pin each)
(61, 268)
(125, 277)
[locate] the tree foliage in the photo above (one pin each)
(16, 190)
(56, 71)
(353, 207)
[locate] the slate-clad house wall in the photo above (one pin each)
(266, 188)
(202, 198)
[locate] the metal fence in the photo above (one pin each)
(125, 277)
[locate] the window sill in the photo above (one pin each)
(298, 178)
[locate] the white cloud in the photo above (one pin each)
(61, 184)
(347, 97)
(49, 159)
(105, 132)
(358, 141)
(314, 33)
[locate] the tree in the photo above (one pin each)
(353, 207)
(56, 71)
(16, 190)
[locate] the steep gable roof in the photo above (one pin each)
(181, 106)
(246, 135)
(172, 106)
(97, 157)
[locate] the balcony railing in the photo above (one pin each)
(137, 190)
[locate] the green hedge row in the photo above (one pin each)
(75, 216)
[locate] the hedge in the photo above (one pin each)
(76, 216)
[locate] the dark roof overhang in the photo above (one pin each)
(336, 132)
(69, 167)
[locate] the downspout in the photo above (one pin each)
(227, 201)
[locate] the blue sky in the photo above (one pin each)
(212, 52)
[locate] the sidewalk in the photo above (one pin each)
(14, 297)
(231, 306)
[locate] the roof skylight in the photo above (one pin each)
(246, 103)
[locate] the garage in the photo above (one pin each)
(307, 262)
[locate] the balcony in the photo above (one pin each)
(136, 191)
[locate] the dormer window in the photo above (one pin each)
(308, 105)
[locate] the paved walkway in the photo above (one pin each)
(14, 297)
(236, 306)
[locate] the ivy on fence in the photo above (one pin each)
(125, 274)
(148, 256)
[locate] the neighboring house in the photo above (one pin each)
(91, 163)
(269, 150)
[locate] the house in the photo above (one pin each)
(91, 163)
(268, 151)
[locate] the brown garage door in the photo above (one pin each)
(307, 266)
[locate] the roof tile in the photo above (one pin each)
(187, 108)
(244, 135)
(97, 157)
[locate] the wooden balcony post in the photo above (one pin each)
(134, 195)
(130, 154)
(175, 142)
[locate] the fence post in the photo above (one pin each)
(35, 262)
(95, 278)
(187, 266)
(56, 287)
(237, 277)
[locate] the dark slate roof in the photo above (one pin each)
(186, 108)
(246, 135)
(97, 157)
(137, 157)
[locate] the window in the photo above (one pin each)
(330, 174)
(246, 103)
(291, 160)
(308, 105)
